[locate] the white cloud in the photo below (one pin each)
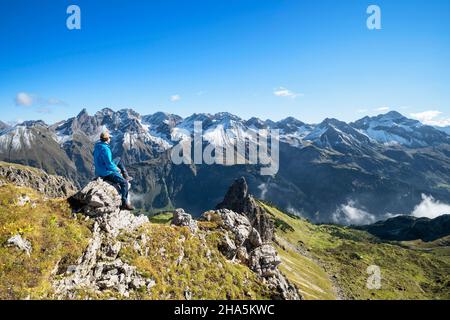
(430, 208)
(54, 102)
(362, 110)
(24, 99)
(431, 118)
(44, 110)
(283, 92)
(383, 109)
(264, 189)
(348, 214)
(175, 97)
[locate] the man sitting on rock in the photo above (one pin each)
(106, 169)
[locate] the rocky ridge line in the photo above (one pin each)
(49, 185)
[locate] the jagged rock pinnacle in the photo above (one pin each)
(239, 200)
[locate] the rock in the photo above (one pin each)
(49, 185)
(242, 255)
(253, 231)
(255, 238)
(239, 200)
(20, 243)
(227, 247)
(96, 199)
(264, 260)
(22, 200)
(183, 219)
(187, 294)
(120, 221)
(100, 268)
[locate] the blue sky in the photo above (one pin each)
(309, 59)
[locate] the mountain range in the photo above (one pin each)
(350, 173)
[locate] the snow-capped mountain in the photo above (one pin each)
(444, 129)
(377, 164)
(338, 135)
(394, 129)
(3, 126)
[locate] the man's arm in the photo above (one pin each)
(107, 158)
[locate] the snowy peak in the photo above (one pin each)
(394, 129)
(338, 135)
(160, 131)
(3, 126)
(33, 123)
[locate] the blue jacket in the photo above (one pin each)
(104, 165)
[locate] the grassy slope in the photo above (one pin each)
(203, 271)
(344, 254)
(54, 235)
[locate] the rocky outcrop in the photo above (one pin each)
(49, 185)
(243, 243)
(100, 267)
(248, 238)
(183, 219)
(239, 200)
(96, 199)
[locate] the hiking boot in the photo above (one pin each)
(127, 177)
(127, 206)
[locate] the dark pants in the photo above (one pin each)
(121, 167)
(117, 179)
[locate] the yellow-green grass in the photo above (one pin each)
(345, 254)
(203, 271)
(162, 218)
(55, 237)
(310, 279)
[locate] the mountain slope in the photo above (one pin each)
(405, 228)
(338, 258)
(46, 252)
(375, 166)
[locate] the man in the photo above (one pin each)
(109, 171)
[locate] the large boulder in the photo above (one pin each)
(97, 198)
(183, 219)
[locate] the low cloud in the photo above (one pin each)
(431, 118)
(349, 214)
(264, 189)
(175, 97)
(283, 92)
(430, 208)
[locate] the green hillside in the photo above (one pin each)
(320, 257)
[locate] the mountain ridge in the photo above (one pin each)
(386, 157)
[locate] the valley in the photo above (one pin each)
(353, 173)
